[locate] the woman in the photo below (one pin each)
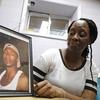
(68, 73)
(12, 78)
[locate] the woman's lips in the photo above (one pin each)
(74, 43)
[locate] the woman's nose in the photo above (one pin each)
(75, 37)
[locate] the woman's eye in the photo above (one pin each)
(83, 34)
(71, 33)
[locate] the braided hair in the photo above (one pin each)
(93, 37)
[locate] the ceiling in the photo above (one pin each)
(51, 8)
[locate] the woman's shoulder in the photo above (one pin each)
(91, 64)
(88, 62)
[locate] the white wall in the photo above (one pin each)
(10, 14)
(41, 44)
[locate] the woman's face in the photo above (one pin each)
(79, 36)
(10, 57)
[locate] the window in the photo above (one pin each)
(48, 25)
(38, 23)
(58, 26)
(50, 19)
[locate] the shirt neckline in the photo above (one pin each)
(83, 63)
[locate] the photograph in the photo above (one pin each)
(15, 63)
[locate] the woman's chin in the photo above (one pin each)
(74, 47)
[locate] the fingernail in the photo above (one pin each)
(35, 85)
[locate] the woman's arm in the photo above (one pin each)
(87, 95)
(45, 89)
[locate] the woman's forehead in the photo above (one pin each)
(81, 23)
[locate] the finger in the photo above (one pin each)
(49, 93)
(44, 89)
(41, 84)
(35, 87)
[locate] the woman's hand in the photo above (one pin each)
(46, 89)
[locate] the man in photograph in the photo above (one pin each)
(12, 78)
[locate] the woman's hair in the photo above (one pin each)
(93, 36)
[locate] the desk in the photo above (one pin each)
(30, 98)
